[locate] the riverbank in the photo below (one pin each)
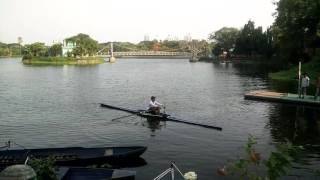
(10, 57)
(312, 68)
(63, 61)
(273, 64)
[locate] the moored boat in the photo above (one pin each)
(22, 171)
(74, 156)
(81, 173)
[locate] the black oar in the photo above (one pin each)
(120, 108)
(193, 123)
(121, 117)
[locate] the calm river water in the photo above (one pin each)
(58, 106)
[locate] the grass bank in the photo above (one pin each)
(312, 68)
(63, 61)
(11, 56)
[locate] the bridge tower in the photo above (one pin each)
(112, 59)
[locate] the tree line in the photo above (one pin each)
(86, 46)
(294, 35)
(12, 49)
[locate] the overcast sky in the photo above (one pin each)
(126, 20)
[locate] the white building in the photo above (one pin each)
(67, 46)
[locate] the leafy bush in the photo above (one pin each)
(27, 56)
(252, 166)
(44, 168)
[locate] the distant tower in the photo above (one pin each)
(146, 38)
(20, 41)
(169, 38)
(187, 38)
(112, 59)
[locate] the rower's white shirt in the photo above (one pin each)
(154, 104)
(305, 81)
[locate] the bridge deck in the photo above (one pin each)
(149, 53)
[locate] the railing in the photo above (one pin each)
(149, 53)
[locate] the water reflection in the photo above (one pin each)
(285, 86)
(132, 163)
(301, 126)
(55, 105)
(154, 124)
(225, 65)
(298, 124)
(252, 69)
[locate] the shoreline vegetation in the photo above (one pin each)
(15, 56)
(76, 50)
(312, 68)
(63, 61)
(292, 37)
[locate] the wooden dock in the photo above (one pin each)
(264, 95)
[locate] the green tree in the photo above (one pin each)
(278, 164)
(123, 46)
(225, 38)
(217, 49)
(55, 50)
(297, 28)
(44, 168)
(146, 45)
(14, 49)
(4, 51)
(253, 41)
(36, 49)
(85, 45)
(170, 45)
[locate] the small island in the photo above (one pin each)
(62, 61)
(76, 50)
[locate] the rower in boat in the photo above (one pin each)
(161, 116)
(154, 106)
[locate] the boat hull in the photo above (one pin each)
(76, 156)
(161, 116)
(75, 173)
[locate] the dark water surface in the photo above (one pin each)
(49, 106)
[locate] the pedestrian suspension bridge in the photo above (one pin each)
(131, 53)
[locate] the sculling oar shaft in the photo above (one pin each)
(121, 117)
(119, 108)
(193, 123)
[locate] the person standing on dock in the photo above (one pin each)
(154, 106)
(317, 88)
(304, 84)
